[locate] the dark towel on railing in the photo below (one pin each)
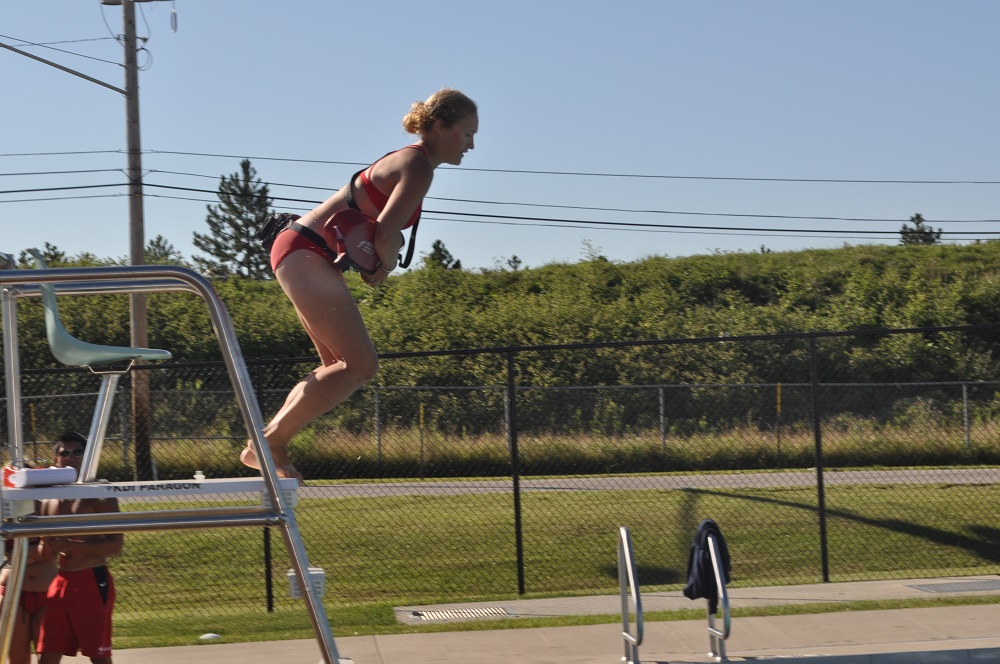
(701, 578)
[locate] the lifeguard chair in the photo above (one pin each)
(111, 363)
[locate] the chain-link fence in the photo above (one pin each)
(469, 474)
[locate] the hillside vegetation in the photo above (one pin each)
(725, 294)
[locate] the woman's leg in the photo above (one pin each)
(293, 394)
(332, 319)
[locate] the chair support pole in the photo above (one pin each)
(98, 427)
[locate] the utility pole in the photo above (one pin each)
(142, 420)
(136, 220)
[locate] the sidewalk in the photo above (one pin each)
(943, 635)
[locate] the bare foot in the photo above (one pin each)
(282, 463)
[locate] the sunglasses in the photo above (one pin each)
(70, 453)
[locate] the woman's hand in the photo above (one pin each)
(378, 276)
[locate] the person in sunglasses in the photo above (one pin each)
(81, 598)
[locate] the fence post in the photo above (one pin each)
(965, 416)
(258, 387)
(506, 416)
(258, 381)
(268, 571)
(777, 421)
(126, 433)
(817, 434)
(663, 421)
(378, 426)
(126, 464)
(515, 468)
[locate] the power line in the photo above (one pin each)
(24, 42)
(582, 225)
(269, 184)
(545, 205)
(476, 217)
(535, 172)
(60, 198)
(888, 235)
(241, 157)
(624, 210)
(64, 41)
(508, 219)
(92, 170)
(717, 214)
(713, 228)
(734, 179)
(599, 223)
(42, 189)
(60, 154)
(607, 209)
(606, 175)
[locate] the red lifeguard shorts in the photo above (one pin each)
(78, 615)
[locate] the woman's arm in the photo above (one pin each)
(414, 181)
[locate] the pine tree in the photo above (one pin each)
(231, 243)
(159, 251)
(51, 254)
(918, 234)
(439, 256)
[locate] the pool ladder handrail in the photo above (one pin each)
(628, 585)
(717, 637)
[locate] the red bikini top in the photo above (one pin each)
(376, 196)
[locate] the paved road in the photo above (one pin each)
(675, 482)
(727, 481)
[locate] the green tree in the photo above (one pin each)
(918, 233)
(159, 251)
(231, 243)
(53, 255)
(441, 257)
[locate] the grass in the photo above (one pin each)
(425, 549)
(325, 450)
(384, 552)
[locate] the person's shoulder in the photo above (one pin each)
(413, 162)
(410, 155)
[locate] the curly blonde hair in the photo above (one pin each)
(447, 105)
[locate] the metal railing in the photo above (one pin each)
(717, 637)
(628, 584)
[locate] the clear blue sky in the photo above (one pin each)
(722, 102)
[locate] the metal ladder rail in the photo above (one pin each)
(114, 280)
(628, 585)
(717, 637)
